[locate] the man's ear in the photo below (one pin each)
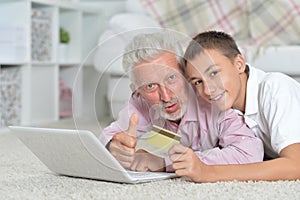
(132, 87)
(134, 90)
(240, 63)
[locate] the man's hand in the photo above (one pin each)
(144, 161)
(122, 146)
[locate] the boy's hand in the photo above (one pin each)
(144, 161)
(122, 146)
(186, 162)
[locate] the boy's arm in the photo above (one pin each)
(287, 167)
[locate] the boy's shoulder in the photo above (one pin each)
(272, 79)
(277, 84)
(278, 79)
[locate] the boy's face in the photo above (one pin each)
(217, 79)
(161, 83)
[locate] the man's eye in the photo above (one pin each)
(172, 77)
(150, 86)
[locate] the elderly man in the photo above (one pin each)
(161, 96)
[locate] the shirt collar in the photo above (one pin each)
(252, 92)
(191, 111)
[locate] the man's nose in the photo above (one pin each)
(165, 93)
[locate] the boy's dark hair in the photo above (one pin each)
(216, 40)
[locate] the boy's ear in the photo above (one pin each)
(240, 63)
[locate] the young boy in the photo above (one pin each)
(270, 103)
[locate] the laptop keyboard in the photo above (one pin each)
(149, 175)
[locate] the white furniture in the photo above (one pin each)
(29, 44)
(269, 42)
(277, 58)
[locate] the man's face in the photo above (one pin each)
(161, 83)
(216, 78)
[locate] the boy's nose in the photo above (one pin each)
(209, 88)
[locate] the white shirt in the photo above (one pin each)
(273, 109)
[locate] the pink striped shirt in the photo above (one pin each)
(216, 137)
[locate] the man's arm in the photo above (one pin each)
(236, 142)
(144, 161)
(122, 144)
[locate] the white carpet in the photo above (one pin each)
(23, 176)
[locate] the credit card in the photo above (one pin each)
(163, 138)
(158, 141)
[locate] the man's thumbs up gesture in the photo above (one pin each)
(133, 122)
(122, 146)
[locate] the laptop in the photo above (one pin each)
(79, 153)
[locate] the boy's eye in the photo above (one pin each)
(197, 82)
(214, 73)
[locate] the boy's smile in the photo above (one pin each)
(218, 97)
(217, 80)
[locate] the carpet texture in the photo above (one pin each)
(23, 176)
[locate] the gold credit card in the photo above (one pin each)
(163, 138)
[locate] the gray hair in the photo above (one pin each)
(145, 47)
